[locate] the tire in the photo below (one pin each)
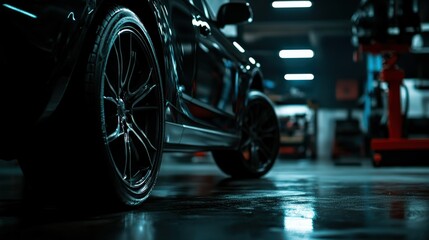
(119, 152)
(260, 142)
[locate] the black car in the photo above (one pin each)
(93, 93)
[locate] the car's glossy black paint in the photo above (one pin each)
(93, 92)
(43, 46)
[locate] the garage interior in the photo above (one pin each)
(339, 174)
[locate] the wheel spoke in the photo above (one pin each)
(246, 144)
(111, 88)
(127, 157)
(119, 62)
(111, 99)
(264, 149)
(117, 133)
(144, 141)
(254, 155)
(131, 66)
(118, 130)
(267, 132)
(142, 135)
(141, 93)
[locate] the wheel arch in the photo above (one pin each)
(146, 12)
(253, 81)
(256, 81)
(143, 9)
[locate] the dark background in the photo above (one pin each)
(326, 29)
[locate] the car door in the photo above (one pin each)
(215, 71)
(182, 15)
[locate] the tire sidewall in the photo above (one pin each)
(117, 20)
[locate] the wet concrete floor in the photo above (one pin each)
(193, 199)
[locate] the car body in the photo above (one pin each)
(93, 92)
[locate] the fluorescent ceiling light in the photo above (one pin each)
(425, 27)
(239, 47)
(291, 4)
(302, 76)
(302, 53)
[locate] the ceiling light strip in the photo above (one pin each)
(301, 76)
(291, 4)
(298, 53)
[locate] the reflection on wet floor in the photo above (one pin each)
(298, 199)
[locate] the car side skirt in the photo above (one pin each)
(183, 137)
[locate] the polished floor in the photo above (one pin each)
(298, 199)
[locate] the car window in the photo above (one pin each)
(209, 8)
(197, 3)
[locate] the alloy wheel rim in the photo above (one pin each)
(259, 133)
(131, 109)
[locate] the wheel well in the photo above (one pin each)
(68, 85)
(146, 14)
(257, 82)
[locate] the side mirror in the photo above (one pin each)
(234, 13)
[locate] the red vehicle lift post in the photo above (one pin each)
(395, 146)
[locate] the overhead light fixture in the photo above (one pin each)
(425, 27)
(301, 76)
(291, 4)
(299, 53)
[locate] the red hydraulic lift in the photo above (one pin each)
(395, 147)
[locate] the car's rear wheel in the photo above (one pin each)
(106, 146)
(260, 141)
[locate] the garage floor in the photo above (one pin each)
(298, 199)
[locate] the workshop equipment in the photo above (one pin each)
(400, 147)
(373, 33)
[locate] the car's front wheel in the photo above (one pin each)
(260, 141)
(106, 146)
(126, 91)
